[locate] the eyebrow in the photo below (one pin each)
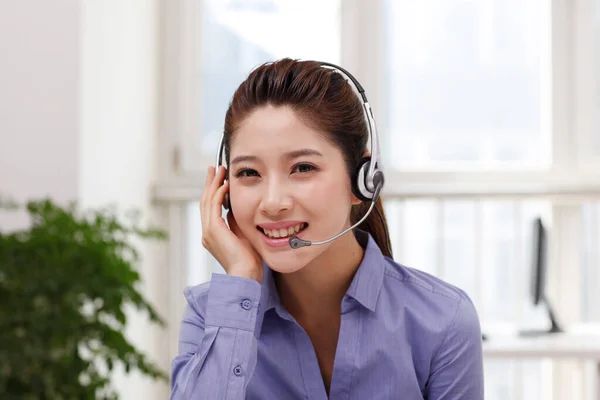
(289, 155)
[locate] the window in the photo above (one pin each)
(596, 65)
(585, 53)
(590, 260)
(237, 36)
(465, 83)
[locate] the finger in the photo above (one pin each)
(217, 181)
(210, 174)
(214, 186)
(217, 202)
(209, 178)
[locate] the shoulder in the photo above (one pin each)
(443, 328)
(420, 281)
(443, 308)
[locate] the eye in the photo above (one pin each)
(304, 168)
(246, 172)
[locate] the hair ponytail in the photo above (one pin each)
(374, 225)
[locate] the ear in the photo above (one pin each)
(355, 200)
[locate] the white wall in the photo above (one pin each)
(39, 100)
(119, 126)
(78, 120)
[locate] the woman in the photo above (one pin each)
(340, 320)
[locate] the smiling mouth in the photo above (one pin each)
(283, 232)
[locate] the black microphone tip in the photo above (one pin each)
(296, 243)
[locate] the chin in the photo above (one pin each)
(286, 262)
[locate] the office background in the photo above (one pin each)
(488, 111)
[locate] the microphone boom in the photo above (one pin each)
(296, 243)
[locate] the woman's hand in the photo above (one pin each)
(229, 246)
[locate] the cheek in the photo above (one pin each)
(244, 202)
(330, 194)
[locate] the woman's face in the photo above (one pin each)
(287, 179)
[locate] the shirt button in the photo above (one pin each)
(246, 304)
(237, 370)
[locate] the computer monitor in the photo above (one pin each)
(539, 254)
(539, 271)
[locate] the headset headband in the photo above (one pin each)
(373, 134)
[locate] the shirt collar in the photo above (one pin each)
(368, 280)
(366, 284)
(269, 291)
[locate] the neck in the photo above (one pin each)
(316, 291)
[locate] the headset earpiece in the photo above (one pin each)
(226, 202)
(359, 180)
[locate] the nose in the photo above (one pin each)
(276, 199)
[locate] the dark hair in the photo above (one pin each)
(323, 99)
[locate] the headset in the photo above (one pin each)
(368, 179)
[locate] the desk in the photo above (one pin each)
(556, 345)
(581, 347)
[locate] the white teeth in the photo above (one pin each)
(283, 232)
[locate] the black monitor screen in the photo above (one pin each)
(539, 261)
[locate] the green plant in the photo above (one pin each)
(65, 283)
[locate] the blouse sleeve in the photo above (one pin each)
(457, 370)
(217, 342)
